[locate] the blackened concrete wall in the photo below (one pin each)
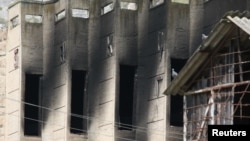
(151, 105)
(147, 38)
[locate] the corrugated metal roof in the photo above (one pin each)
(222, 28)
(241, 20)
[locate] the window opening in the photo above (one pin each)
(182, 1)
(33, 18)
(62, 53)
(14, 21)
(160, 42)
(154, 3)
(31, 112)
(176, 102)
(16, 52)
(128, 5)
(77, 122)
(61, 15)
(127, 74)
(80, 13)
(159, 85)
(108, 8)
(109, 42)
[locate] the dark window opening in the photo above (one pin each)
(127, 74)
(176, 104)
(31, 109)
(77, 122)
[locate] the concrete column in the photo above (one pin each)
(196, 24)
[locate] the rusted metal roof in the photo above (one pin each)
(229, 21)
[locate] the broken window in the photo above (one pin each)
(61, 15)
(31, 103)
(176, 101)
(16, 52)
(14, 22)
(77, 122)
(80, 13)
(107, 8)
(128, 5)
(154, 3)
(33, 18)
(126, 94)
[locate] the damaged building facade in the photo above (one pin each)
(96, 69)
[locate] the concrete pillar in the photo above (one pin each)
(196, 24)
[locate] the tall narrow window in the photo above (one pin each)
(31, 109)
(176, 103)
(109, 43)
(160, 40)
(127, 74)
(77, 122)
(16, 52)
(62, 53)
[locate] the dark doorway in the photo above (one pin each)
(31, 109)
(77, 122)
(176, 103)
(127, 74)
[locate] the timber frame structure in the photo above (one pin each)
(215, 81)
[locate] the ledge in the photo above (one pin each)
(42, 2)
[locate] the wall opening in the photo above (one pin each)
(127, 74)
(176, 104)
(77, 122)
(31, 109)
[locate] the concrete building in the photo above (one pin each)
(96, 69)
